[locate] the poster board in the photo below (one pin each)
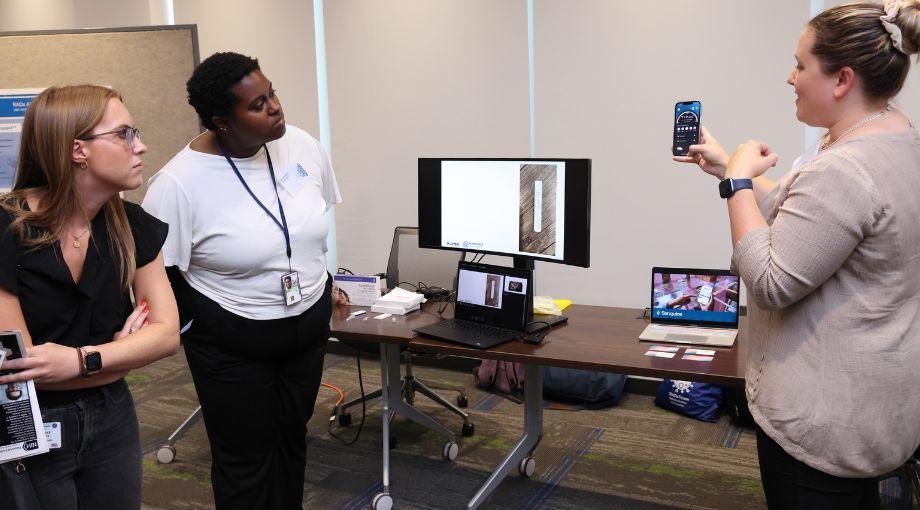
(148, 65)
(13, 106)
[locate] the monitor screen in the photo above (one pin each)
(699, 296)
(533, 208)
(494, 295)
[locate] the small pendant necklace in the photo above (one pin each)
(76, 239)
(825, 145)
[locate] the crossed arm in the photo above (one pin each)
(146, 337)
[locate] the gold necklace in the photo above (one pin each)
(76, 239)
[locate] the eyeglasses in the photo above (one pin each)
(128, 134)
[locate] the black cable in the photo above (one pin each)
(363, 407)
(343, 270)
(540, 322)
(451, 298)
(431, 292)
(414, 286)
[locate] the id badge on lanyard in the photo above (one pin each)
(290, 282)
(290, 287)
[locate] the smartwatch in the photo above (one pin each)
(728, 187)
(90, 362)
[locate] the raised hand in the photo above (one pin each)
(708, 155)
(751, 159)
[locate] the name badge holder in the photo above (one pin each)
(290, 281)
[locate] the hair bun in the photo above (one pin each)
(908, 20)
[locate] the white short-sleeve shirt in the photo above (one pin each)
(226, 246)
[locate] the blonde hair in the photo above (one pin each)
(56, 118)
(852, 35)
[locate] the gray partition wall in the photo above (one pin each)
(148, 65)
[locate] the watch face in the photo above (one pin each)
(93, 362)
(725, 188)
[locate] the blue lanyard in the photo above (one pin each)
(281, 224)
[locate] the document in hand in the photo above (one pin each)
(398, 302)
(22, 433)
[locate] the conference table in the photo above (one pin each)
(595, 338)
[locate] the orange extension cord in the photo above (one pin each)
(337, 390)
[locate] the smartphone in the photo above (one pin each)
(686, 126)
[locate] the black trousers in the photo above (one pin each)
(257, 383)
(791, 484)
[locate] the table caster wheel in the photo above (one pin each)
(468, 429)
(382, 502)
(450, 450)
(527, 466)
(166, 454)
(345, 419)
(462, 401)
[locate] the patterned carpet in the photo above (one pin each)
(630, 456)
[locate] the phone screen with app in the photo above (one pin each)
(686, 126)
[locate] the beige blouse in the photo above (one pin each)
(833, 372)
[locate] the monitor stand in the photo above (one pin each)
(536, 322)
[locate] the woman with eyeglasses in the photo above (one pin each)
(71, 252)
(247, 204)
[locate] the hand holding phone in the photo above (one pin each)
(686, 126)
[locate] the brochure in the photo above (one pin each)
(360, 290)
(22, 433)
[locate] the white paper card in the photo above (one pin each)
(701, 352)
(53, 434)
(293, 178)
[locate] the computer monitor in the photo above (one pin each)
(529, 209)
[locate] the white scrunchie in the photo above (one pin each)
(888, 21)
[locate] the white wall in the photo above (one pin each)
(277, 32)
(415, 78)
(18, 15)
(607, 77)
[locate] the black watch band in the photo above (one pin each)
(90, 362)
(728, 187)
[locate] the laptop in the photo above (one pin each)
(491, 306)
(693, 306)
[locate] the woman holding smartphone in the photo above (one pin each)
(71, 252)
(831, 257)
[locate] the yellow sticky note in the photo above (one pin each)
(562, 303)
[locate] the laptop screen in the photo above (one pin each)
(706, 297)
(493, 295)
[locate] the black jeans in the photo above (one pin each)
(99, 463)
(791, 484)
(257, 382)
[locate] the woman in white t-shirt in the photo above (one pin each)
(247, 204)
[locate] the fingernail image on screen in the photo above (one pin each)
(538, 209)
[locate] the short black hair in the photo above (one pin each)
(209, 87)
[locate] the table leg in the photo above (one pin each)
(383, 500)
(385, 397)
(533, 432)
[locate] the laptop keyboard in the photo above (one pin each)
(683, 330)
(679, 337)
(477, 329)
